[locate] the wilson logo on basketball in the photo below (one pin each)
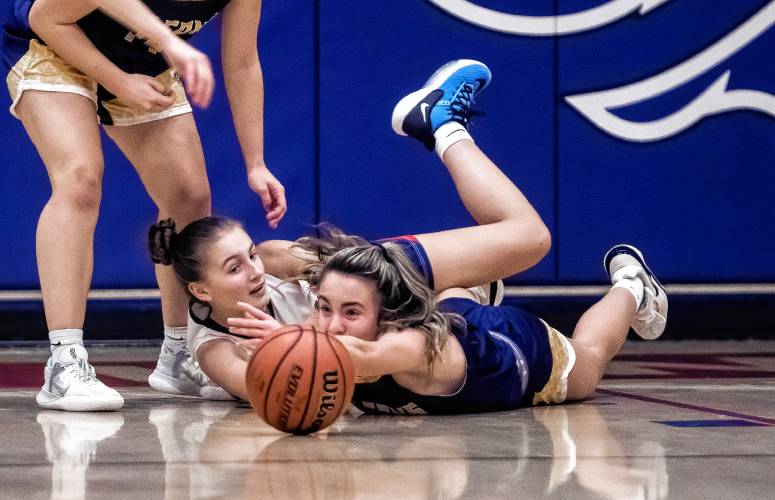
(328, 401)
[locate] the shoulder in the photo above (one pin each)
(286, 287)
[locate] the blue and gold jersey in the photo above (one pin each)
(508, 359)
(118, 43)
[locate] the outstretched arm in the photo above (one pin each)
(392, 353)
(245, 89)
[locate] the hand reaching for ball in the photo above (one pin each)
(256, 324)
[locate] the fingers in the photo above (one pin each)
(206, 83)
(161, 97)
(278, 206)
(254, 328)
(158, 87)
(200, 81)
(254, 311)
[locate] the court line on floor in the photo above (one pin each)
(687, 406)
(695, 387)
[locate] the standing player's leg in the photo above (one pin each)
(167, 154)
(511, 236)
(635, 300)
(63, 127)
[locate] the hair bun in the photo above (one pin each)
(161, 237)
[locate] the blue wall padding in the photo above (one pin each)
(377, 183)
(699, 203)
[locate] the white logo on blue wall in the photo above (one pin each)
(717, 98)
(564, 24)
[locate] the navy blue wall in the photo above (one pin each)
(697, 199)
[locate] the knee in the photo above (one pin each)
(586, 374)
(79, 186)
(531, 242)
(189, 201)
(582, 386)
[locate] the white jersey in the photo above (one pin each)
(291, 303)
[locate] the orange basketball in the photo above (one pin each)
(299, 379)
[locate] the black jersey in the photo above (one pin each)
(135, 55)
(119, 44)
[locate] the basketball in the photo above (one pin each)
(299, 379)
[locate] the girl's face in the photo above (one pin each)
(232, 272)
(348, 305)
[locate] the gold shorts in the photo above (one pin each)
(563, 358)
(41, 69)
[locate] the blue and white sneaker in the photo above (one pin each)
(626, 261)
(446, 96)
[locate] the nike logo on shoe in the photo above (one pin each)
(424, 110)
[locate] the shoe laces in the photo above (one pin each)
(86, 371)
(81, 370)
(460, 107)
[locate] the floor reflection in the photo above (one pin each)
(586, 453)
(572, 449)
(71, 441)
(222, 450)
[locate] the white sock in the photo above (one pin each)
(447, 135)
(175, 337)
(634, 286)
(67, 345)
(67, 336)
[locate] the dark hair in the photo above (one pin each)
(406, 300)
(185, 250)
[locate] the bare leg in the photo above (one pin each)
(167, 155)
(598, 337)
(64, 129)
(511, 236)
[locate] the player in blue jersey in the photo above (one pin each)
(71, 67)
(417, 352)
(221, 266)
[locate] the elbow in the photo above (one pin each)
(239, 66)
(36, 19)
(543, 241)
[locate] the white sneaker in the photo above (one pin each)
(177, 372)
(626, 261)
(70, 384)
